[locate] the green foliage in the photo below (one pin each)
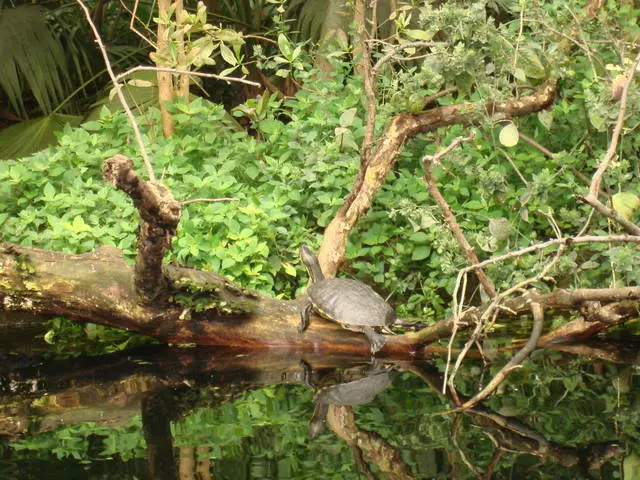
(74, 441)
(67, 339)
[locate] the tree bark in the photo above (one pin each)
(165, 79)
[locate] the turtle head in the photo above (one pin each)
(311, 262)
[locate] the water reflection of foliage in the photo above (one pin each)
(555, 410)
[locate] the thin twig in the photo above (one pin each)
(519, 39)
(585, 227)
(549, 243)
(210, 200)
(450, 378)
(185, 72)
(116, 86)
(454, 438)
(563, 35)
(369, 77)
(487, 284)
(432, 98)
(586, 49)
(134, 17)
(435, 159)
(491, 313)
(536, 145)
(394, 51)
(613, 145)
(515, 167)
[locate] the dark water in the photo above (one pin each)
(159, 413)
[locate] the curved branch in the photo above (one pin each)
(594, 188)
(401, 128)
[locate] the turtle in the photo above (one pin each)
(351, 303)
(359, 391)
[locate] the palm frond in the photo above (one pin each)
(32, 59)
(33, 135)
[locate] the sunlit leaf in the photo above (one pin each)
(289, 269)
(509, 135)
(625, 203)
(419, 35)
(228, 55)
(284, 45)
(346, 119)
(49, 337)
(546, 118)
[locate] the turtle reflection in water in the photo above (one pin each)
(356, 392)
(350, 303)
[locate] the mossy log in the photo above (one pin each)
(202, 308)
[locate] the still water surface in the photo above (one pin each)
(159, 413)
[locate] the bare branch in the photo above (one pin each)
(210, 200)
(118, 89)
(120, 76)
(628, 226)
(559, 299)
(558, 241)
(134, 17)
(536, 145)
(611, 151)
(447, 213)
(401, 128)
(394, 51)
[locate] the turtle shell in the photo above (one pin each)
(351, 303)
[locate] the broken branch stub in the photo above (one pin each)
(159, 216)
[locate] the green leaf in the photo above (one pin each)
(78, 225)
(33, 58)
(419, 35)
(92, 126)
(531, 61)
(419, 237)
(33, 135)
(474, 205)
(284, 45)
(49, 192)
(625, 203)
(421, 252)
(228, 55)
(631, 466)
(289, 269)
(270, 126)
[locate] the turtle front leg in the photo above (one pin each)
(377, 341)
(304, 317)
